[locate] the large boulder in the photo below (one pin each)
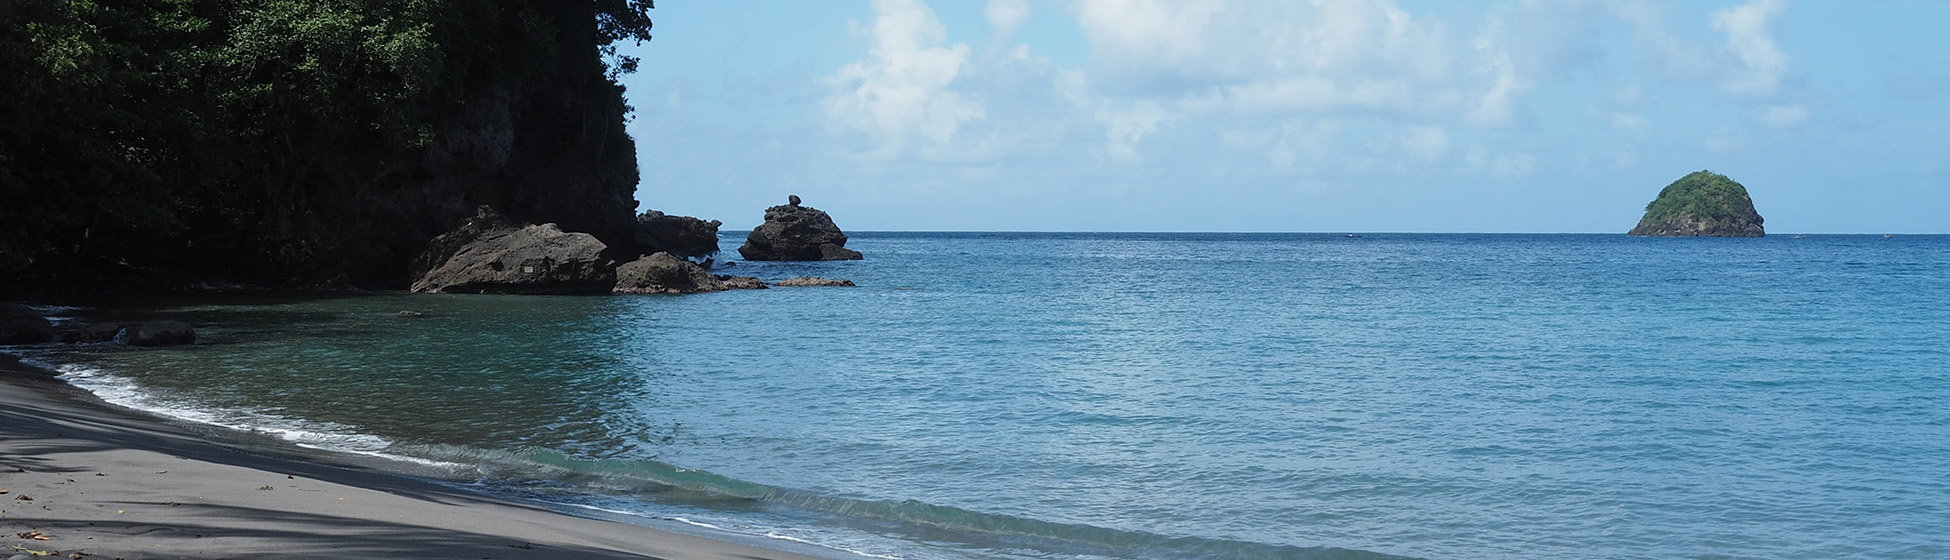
(20, 324)
(1701, 204)
(796, 233)
(663, 273)
(683, 236)
(489, 254)
(159, 333)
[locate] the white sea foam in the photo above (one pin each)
(327, 436)
(747, 530)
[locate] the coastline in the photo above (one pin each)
(110, 483)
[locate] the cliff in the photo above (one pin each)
(1701, 204)
(291, 143)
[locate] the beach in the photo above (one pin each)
(83, 480)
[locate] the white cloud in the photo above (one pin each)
(1256, 57)
(1005, 16)
(1761, 63)
(1498, 105)
(902, 89)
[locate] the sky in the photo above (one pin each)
(1293, 116)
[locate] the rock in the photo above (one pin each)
(741, 282)
(20, 324)
(681, 236)
(490, 255)
(77, 333)
(797, 233)
(811, 281)
(663, 273)
(1701, 204)
(487, 222)
(411, 314)
(159, 333)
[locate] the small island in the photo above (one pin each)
(1701, 204)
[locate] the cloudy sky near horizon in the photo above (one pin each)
(1270, 115)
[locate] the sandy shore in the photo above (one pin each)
(82, 477)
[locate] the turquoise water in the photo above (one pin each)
(1076, 396)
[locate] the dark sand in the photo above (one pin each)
(109, 483)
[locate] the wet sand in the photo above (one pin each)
(80, 476)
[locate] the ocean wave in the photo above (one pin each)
(125, 392)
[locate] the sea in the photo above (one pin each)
(1085, 396)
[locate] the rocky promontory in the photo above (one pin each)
(1701, 204)
(793, 232)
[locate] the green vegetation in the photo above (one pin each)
(266, 140)
(1703, 196)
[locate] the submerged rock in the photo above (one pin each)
(811, 281)
(489, 254)
(663, 273)
(159, 333)
(797, 233)
(683, 236)
(1701, 204)
(20, 324)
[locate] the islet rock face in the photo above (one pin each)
(792, 232)
(683, 236)
(1701, 204)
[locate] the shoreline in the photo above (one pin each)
(106, 482)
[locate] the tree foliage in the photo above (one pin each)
(143, 135)
(1703, 196)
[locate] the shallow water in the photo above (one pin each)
(1072, 396)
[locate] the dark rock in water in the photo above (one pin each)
(76, 333)
(20, 324)
(683, 236)
(797, 233)
(831, 252)
(812, 281)
(1701, 204)
(159, 333)
(741, 282)
(663, 273)
(489, 254)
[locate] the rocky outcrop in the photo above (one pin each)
(80, 333)
(159, 333)
(20, 324)
(490, 254)
(792, 232)
(663, 273)
(683, 236)
(803, 281)
(1701, 204)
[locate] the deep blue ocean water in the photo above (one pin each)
(1143, 396)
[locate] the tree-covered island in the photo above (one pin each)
(1701, 204)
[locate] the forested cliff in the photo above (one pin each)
(146, 144)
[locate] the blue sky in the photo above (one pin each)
(1330, 115)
